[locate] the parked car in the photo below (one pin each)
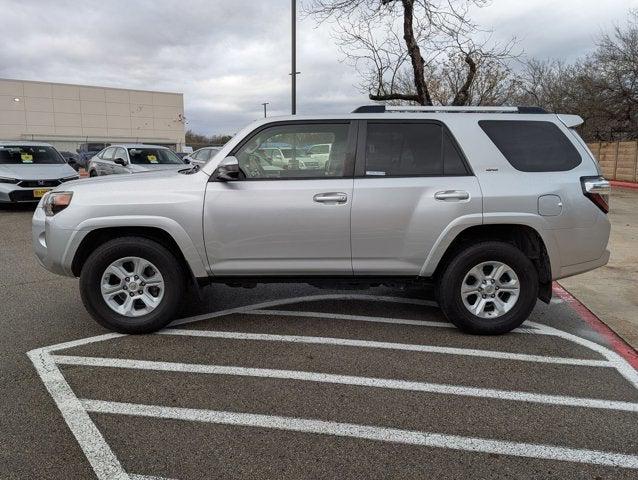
(490, 205)
(71, 158)
(202, 156)
(134, 158)
(29, 170)
(86, 151)
(318, 155)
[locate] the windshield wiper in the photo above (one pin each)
(189, 171)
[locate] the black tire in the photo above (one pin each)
(451, 279)
(107, 253)
(92, 173)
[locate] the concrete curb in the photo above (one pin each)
(620, 346)
(619, 184)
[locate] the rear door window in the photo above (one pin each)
(120, 153)
(411, 149)
(532, 146)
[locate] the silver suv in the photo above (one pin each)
(488, 204)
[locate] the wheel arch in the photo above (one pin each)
(524, 237)
(186, 254)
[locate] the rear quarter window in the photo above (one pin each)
(532, 146)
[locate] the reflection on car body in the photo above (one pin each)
(133, 158)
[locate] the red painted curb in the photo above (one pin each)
(620, 346)
(618, 183)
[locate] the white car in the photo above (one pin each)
(134, 158)
(29, 170)
(202, 156)
(318, 155)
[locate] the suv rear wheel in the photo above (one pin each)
(132, 285)
(489, 288)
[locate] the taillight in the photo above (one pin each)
(597, 189)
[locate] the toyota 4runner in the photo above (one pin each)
(488, 204)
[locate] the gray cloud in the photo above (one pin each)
(229, 56)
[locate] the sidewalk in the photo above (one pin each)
(611, 292)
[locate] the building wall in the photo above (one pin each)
(67, 115)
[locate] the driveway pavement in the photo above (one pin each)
(611, 291)
(287, 381)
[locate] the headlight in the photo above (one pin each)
(8, 180)
(55, 202)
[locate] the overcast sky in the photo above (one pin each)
(229, 56)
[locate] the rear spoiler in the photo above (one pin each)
(570, 121)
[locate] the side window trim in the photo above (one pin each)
(360, 166)
(351, 147)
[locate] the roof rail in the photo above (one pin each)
(411, 108)
(370, 109)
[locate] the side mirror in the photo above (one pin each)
(227, 170)
(120, 161)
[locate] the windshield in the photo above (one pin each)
(153, 156)
(23, 155)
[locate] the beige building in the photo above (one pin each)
(67, 115)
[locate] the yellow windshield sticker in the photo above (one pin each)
(151, 158)
(26, 158)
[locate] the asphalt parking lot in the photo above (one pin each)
(290, 381)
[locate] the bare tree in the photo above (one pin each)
(601, 87)
(421, 51)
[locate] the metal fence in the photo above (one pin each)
(618, 160)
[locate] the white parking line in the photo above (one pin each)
(348, 380)
(410, 437)
(347, 342)
(308, 298)
(366, 318)
(147, 477)
(107, 467)
(358, 318)
(620, 364)
(102, 459)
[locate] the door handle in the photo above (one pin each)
(452, 195)
(331, 197)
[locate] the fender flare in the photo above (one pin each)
(183, 240)
(455, 228)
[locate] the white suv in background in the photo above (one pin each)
(489, 204)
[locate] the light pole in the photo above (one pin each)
(294, 72)
(265, 109)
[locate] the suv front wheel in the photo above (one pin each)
(132, 285)
(489, 288)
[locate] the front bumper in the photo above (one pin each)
(12, 193)
(52, 245)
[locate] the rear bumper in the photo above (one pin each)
(571, 270)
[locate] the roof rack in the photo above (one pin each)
(420, 109)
